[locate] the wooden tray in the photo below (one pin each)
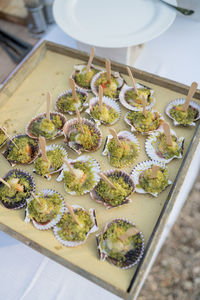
(23, 96)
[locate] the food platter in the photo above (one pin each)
(104, 23)
(24, 90)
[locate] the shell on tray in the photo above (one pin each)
(139, 168)
(70, 127)
(151, 151)
(181, 101)
(52, 223)
(103, 255)
(14, 162)
(122, 135)
(128, 179)
(2, 144)
(134, 129)
(117, 76)
(22, 203)
(52, 171)
(94, 228)
(42, 116)
(127, 88)
(109, 104)
(69, 92)
(95, 167)
(78, 68)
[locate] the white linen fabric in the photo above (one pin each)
(28, 275)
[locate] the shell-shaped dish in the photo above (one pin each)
(124, 136)
(71, 128)
(110, 104)
(135, 106)
(154, 154)
(80, 107)
(37, 119)
(135, 129)
(118, 78)
(119, 173)
(33, 155)
(181, 101)
(3, 137)
(140, 168)
(16, 173)
(94, 228)
(94, 168)
(48, 224)
(129, 262)
(51, 170)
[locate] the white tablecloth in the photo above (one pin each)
(28, 275)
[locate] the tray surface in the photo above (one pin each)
(51, 74)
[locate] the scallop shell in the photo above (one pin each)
(105, 256)
(117, 76)
(134, 129)
(69, 128)
(151, 152)
(49, 148)
(81, 108)
(95, 167)
(14, 162)
(139, 168)
(125, 135)
(128, 179)
(22, 203)
(181, 101)
(1, 145)
(123, 101)
(78, 68)
(75, 244)
(51, 223)
(109, 103)
(41, 116)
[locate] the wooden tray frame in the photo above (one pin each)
(11, 84)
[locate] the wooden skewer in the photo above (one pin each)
(36, 198)
(92, 53)
(130, 232)
(105, 178)
(71, 211)
(48, 106)
(132, 79)
(144, 105)
(73, 88)
(5, 182)
(42, 143)
(155, 170)
(70, 167)
(9, 137)
(114, 134)
(108, 70)
(100, 98)
(79, 120)
(191, 92)
(167, 132)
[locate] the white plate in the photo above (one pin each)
(113, 23)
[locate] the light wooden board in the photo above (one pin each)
(14, 11)
(51, 74)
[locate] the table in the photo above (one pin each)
(28, 275)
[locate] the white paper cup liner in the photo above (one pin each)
(94, 228)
